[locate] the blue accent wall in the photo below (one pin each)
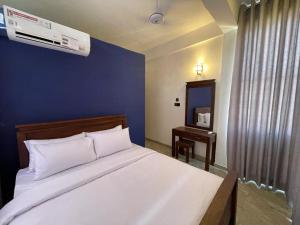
(198, 97)
(41, 85)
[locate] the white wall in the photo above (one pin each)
(229, 41)
(166, 78)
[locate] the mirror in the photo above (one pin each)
(200, 101)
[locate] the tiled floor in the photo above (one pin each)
(255, 206)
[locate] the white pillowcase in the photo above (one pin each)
(111, 142)
(117, 128)
(30, 143)
(207, 119)
(203, 119)
(54, 158)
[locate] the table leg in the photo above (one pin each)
(173, 144)
(181, 150)
(207, 156)
(213, 153)
(187, 156)
(193, 151)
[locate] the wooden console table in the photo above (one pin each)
(210, 139)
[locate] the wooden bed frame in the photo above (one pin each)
(222, 210)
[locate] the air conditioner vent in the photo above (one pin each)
(26, 28)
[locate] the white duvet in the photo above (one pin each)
(134, 187)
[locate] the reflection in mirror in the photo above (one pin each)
(200, 104)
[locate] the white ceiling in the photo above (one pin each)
(121, 22)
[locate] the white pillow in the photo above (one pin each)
(117, 128)
(54, 158)
(207, 119)
(30, 143)
(201, 117)
(112, 142)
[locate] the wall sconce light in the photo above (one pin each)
(199, 68)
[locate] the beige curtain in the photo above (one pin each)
(264, 105)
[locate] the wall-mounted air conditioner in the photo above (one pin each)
(24, 27)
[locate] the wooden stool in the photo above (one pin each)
(191, 144)
(185, 145)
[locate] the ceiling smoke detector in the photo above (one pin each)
(157, 17)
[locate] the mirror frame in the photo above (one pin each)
(203, 83)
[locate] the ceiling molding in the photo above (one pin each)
(225, 12)
(202, 34)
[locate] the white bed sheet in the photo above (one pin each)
(133, 187)
(24, 182)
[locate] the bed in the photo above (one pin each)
(135, 186)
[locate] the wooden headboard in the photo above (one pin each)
(62, 129)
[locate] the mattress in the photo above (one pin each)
(136, 187)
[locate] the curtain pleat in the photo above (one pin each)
(264, 104)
